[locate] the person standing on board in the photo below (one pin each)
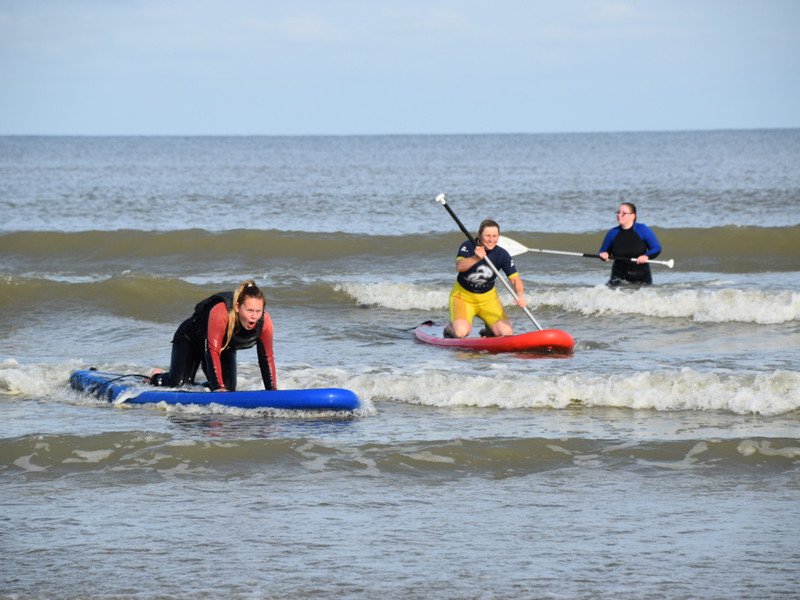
(474, 294)
(221, 325)
(629, 240)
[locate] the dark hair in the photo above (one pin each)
(631, 206)
(487, 223)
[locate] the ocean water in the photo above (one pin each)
(661, 460)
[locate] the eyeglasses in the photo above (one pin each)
(619, 212)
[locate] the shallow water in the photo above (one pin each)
(660, 460)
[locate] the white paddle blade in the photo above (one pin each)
(441, 199)
(668, 263)
(513, 247)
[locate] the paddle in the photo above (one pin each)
(442, 199)
(514, 248)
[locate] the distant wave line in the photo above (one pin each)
(730, 248)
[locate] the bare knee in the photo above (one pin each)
(459, 329)
(502, 328)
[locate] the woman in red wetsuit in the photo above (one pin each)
(221, 325)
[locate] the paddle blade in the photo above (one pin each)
(513, 247)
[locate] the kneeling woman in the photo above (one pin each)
(221, 325)
(474, 294)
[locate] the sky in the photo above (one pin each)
(346, 67)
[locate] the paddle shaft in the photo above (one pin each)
(669, 263)
(441, 199)
(515, 248)
(585, 254)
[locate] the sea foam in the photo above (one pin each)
(685, 389)
(702, 306)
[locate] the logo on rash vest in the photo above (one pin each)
(480, 278)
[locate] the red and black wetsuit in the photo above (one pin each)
(199, 340)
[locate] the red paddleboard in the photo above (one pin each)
(547, 341)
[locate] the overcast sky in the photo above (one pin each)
(241, 67)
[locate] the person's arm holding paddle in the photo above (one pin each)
(465, 263)
(519, 288)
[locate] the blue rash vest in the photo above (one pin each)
(480, 278)
(624, 244)
(629, 248)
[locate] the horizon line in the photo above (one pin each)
(332, 135)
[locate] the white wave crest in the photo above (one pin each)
(33, 380)
(772, 393)
(396, 296)
(763, 393)
(702, 306)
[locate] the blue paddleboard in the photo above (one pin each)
(137, 390)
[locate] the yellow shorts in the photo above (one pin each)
(468, 305)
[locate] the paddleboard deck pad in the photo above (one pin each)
(136, 389)
(545, 341)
